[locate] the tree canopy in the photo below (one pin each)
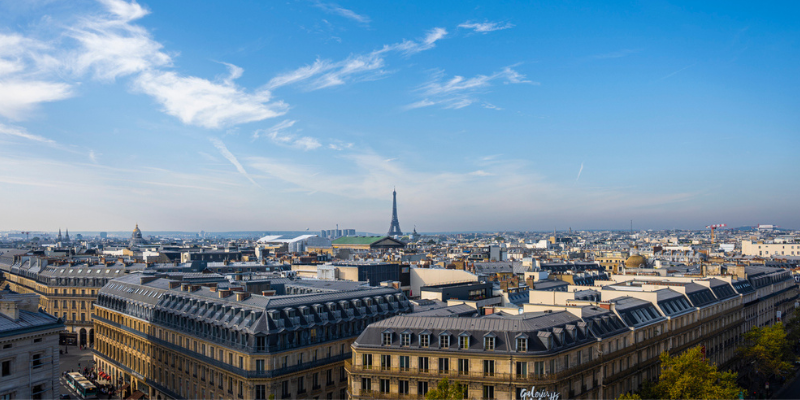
(446, 391)
(768, 348)
(690, 376)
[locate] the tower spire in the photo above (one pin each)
(394, 227)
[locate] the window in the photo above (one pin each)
(402, 387)
(522, 369)
(488, 343)
(522, 344)
(566, 361)
(387, 339)
(488, 392)
(463, 342)
(285, 389)
(488, 367)
(386, 362)
(444, 365)
(315, 380)
(6, 369)
(444, 341)
(366, 361)
(422, 364)
(538, 367)
(405, 363)
(259, 365)
(301, 385)
(366, 384)
(384, 386)
(37, 361)
(37, 392)
(329, 377)
(463, 366)
(422, 388)
(405, 339)
(37, 340)
(424, 340)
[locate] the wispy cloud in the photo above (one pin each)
(197, 101)
(223, 150)
(326, 73)
(485, 27)
(22, 133)
(579, 173)
(19, 97)
(110, 45)
(338, 145)
(280, 135)
(335, 9)
(459, 92)
(491, 106)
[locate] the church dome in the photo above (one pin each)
(636, 261)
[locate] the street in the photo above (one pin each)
(75, 360)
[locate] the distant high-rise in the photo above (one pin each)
(394, 228)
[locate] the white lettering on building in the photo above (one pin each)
(532, 394)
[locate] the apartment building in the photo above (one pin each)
(66, 290)
(587, 342)
(768, 249)
(170, 339)
(29, 367)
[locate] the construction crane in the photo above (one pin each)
(713, 228)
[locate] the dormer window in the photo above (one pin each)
(463, 341)
(444, 341)
(387, 338)
(488, 343)
(424, 340)
(405, 339)
(522, 344)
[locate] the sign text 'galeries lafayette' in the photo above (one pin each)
(532, 394)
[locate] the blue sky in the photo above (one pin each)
(190, 115)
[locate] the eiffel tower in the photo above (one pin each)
(394, 228)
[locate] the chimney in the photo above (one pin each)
(185, 287)
(212, 286)
(10, 310)
(146, 279)
(194, 288)
(242, 296)
(268, 293)
(223, 293)
(174, 284)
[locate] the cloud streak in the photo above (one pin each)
(459, 92)
(326, 73)
(22, 133)
(579, 173)
(223, 150)
(485, 27)
(278, 134)
(335, 9)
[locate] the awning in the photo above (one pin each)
(136, 396)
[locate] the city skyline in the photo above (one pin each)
(230, 117)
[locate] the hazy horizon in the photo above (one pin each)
(229, 116)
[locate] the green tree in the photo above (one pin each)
(629, 396)
(690, 376)
(446, 391)
(793, 328)
(769, 352)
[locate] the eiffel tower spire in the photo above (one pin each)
(394, 228)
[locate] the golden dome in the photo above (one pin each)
(636, 261)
